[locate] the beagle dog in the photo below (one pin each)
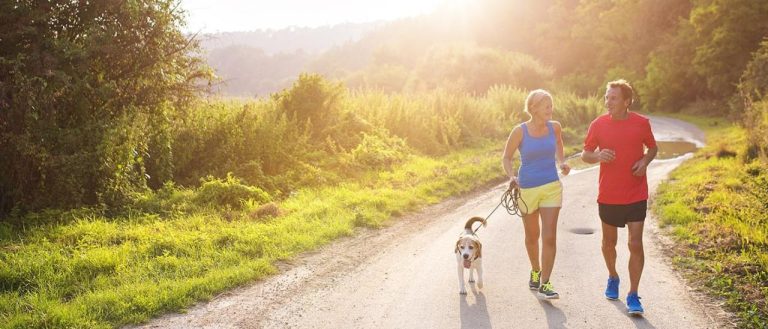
(469, 255)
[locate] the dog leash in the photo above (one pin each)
(511, 201)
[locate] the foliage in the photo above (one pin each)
(312, 101)
(87, 90)
(229, 192)
(706, 56)
(753, 88)
(593, 37)
(379, 150)
(728, 32)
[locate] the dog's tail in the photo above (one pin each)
(468, 225)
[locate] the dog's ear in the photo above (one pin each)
(479, 251)
(457, 245)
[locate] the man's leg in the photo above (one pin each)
(610, 236)
(548, 240)
(636, 254)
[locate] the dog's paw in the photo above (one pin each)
(463, 292)
(471, 280)
(479, 284)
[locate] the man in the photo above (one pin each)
(623, 189)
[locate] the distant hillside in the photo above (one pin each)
(257, 63)
(248, 71)
(288, 40)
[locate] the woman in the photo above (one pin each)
(541, 152)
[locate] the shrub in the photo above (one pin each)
(228, 192)
(379, 150)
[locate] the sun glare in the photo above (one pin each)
(243, 15)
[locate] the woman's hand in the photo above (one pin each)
(565, 169)
(513, 183)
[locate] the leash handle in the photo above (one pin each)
(511, 201)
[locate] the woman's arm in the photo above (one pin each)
(513, 143)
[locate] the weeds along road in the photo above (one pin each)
(404, 276)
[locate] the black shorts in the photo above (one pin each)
(619, 214)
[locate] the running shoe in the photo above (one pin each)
(547, 291)
(633, 304)
(535, 280)
(612, 290)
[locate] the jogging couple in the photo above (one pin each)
(616, 141)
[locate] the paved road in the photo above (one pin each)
(404, 276)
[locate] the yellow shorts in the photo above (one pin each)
(549, 195)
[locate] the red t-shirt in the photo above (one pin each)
(626, 137)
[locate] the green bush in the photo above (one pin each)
(380, 150)
(167, 200)
(312, 100)
(229, 192)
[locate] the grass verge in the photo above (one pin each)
(716, 206)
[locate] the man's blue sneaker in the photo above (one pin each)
(612, 291)
(633, 304)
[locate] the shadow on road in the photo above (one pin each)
(639, 321)
(555, 317)
(474, 315)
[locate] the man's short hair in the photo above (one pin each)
(626, 89)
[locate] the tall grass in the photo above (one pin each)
(278, 149)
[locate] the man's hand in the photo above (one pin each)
(638, 169)
(606, 155)
(565, 169)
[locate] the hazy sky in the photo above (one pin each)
(244, 15)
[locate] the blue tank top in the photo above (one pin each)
(537, 158)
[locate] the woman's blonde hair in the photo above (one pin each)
(534, 98)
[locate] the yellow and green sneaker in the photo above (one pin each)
(547, 291)
(535, 280)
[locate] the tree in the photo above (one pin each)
(88, 90)
(729, 31)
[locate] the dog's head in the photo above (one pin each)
(469, 247)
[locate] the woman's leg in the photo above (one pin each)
(548, 240)
(531, 224)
